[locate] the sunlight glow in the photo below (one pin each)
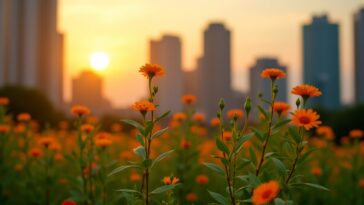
(99, 60)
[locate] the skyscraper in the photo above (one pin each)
(359, 55)
(167, 53)
(321, 61)
(263, 86)
(31, 50)
(87, 89)
(215, 69)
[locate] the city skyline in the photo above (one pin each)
(248, 41)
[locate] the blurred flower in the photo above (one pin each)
(281, 108)
(143, 106)
(151, 70)
(273, 73)
(92, 120)
(227, 135)
(170, 180)
(87, 128)
(235, 114)
(199, 117)
(45, 141)
(361, 183)
(63, 125)
(24, 117)
(202, 179)
(116, 127)
(58, 157)
(19, 128)
(326, 132)
(191, 197)
(18, 167)
(215, 122)
(306, 91)
(126, 155)
(4, 129)
(265, 193)
(185, 144)
(345, 140)
(356, 133)
(317, 171)
(103, 140)
(80, 110)
(188, 99)
(55, 146)
(68, 202)
(306, 118)
(179, 116)
(86, 170)
(4, 101)
(135, 177)
(35, 152)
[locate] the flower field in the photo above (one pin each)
(288, 157)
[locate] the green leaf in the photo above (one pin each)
(305, 156)
(294, 134)
(281, 123)
(280, 165)
(221, 146)
(258, 133)
(261, 110)
(148, 128)
(121, 168)
(165, 114)
(317, 186)
(254, 181)
(129, 191)
(163, 189)
(159, 133)
(219, 198)
(140, 151)
(214, 167)
(134, 124)
(253, 157)
(139, 137)
(242, 140)
(161, 157)
(279, 201)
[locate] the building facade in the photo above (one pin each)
(359, 55)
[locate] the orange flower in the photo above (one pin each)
(356, 133)
(361, 183)
(281, 108)
(45, 141)
(87, 128)
(199, 117)
(58, 157)
(170, 180)
(134, 177)
(116, 127)
(273, 73)
(80, 110)
(144, 106)
(191, 197)
(215, 122)
(185, 144)
(306, 118)
(316, 171)
(235, 114)
(265, 193)
(306, 91)
(326, 132)
(18, 167)
(4, 129)
(202, 179)
(68, 202)
(103, 140)
(4, 101)
(188, 99)
(24, 117)
(227, 135)
(35, 152)
(151, 70)
(55, 146)
(179, 116)
(345, 140)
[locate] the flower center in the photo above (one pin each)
(266, 194)
(305, 120)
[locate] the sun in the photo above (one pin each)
(99, 60)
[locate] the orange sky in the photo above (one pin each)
(123, 28)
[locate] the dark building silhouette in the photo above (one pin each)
(359, 55)
(321, 61)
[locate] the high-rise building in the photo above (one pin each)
(359, 55)
(31, 50)
(87, 90)
(167, 53)
(215, 69)
(262, 85)
(321, 61)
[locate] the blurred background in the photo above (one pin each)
(58, 53)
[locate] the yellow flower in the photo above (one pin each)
(273, 73)
(265, 193)
(151, 70)
(306, 118)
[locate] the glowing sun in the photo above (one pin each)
(99, 60)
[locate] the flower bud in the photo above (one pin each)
(298, 103)
(221, 104)
(247, 105)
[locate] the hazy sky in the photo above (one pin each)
(123, 28)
